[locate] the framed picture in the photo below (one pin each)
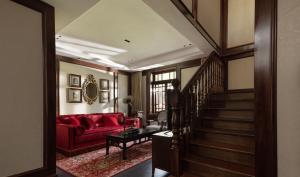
(74, 95)
(104, 96)
(104, 84)
(74, 80)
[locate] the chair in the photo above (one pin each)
(160, 124)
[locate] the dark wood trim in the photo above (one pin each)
(182, 65)
(195, 9)
(124, 72)
(241, 90)
(83, 63)
(129, 93)
(239, 56)
(181, 7)
(176, 67)
(57, 87)
(238, 49)
(49, 145)
(148, 74)
(115, 95)
(265, 77)
(224, 25)
(225, 74)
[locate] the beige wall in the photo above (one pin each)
(82, 108)
(187, 74)
(241, 73)
(123, 92)
(209, 17)
(288, 85)
(240, 22)
(21, 91)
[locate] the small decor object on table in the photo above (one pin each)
(104, 96)
(104, 84)
(74, 80)
(74, 95)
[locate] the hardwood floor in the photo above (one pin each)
(142, 170)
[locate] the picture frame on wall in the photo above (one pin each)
(74, 80)
(74, 95)
(104, 84)
(104, 96)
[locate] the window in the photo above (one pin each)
(160, 83)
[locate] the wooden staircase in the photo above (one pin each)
(222, 143)
(213, 130)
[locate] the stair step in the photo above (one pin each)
(208, 167)
(223, 151)
(232, 104)
(238, 125)
(223, 146)
(243, 138)
(225, 112)
(227, 132)
(233, 96)
(229, 109)
(233, 119)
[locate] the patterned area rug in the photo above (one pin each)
(97, 164)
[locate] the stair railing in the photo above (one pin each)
(188, 104)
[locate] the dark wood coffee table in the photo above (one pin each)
(120, 140)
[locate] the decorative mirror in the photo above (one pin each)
(90, 89)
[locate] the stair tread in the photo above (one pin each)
(234, 92)
(224, 146)
(223, 118)
(230, 109)
(219, 164)
(233, 100)
(228, 132)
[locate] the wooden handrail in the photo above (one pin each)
(187, 105)
(210, 58)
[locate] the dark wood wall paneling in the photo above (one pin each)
(266, 87)
(49, 145)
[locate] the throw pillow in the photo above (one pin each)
(110, 121)
(87, 123)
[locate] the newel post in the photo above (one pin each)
(176, 120)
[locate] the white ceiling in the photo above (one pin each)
(95, 30)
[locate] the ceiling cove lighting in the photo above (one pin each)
(88, 50)
(149, 67)
(89, 44)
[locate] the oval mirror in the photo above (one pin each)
(90, 89)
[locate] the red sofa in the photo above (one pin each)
(79, 133)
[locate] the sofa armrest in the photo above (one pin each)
(136, 122)
(65, 135)
(152, 122)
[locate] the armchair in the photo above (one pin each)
(160, 124)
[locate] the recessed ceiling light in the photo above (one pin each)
(126, 40)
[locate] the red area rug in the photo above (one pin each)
(97, 164)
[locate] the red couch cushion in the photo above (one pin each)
(87, 123)
(97, 134)
(70, 121)
(110, 120)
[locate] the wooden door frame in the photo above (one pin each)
(265, 74)
(49, 69)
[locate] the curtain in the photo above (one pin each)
(136, 86)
